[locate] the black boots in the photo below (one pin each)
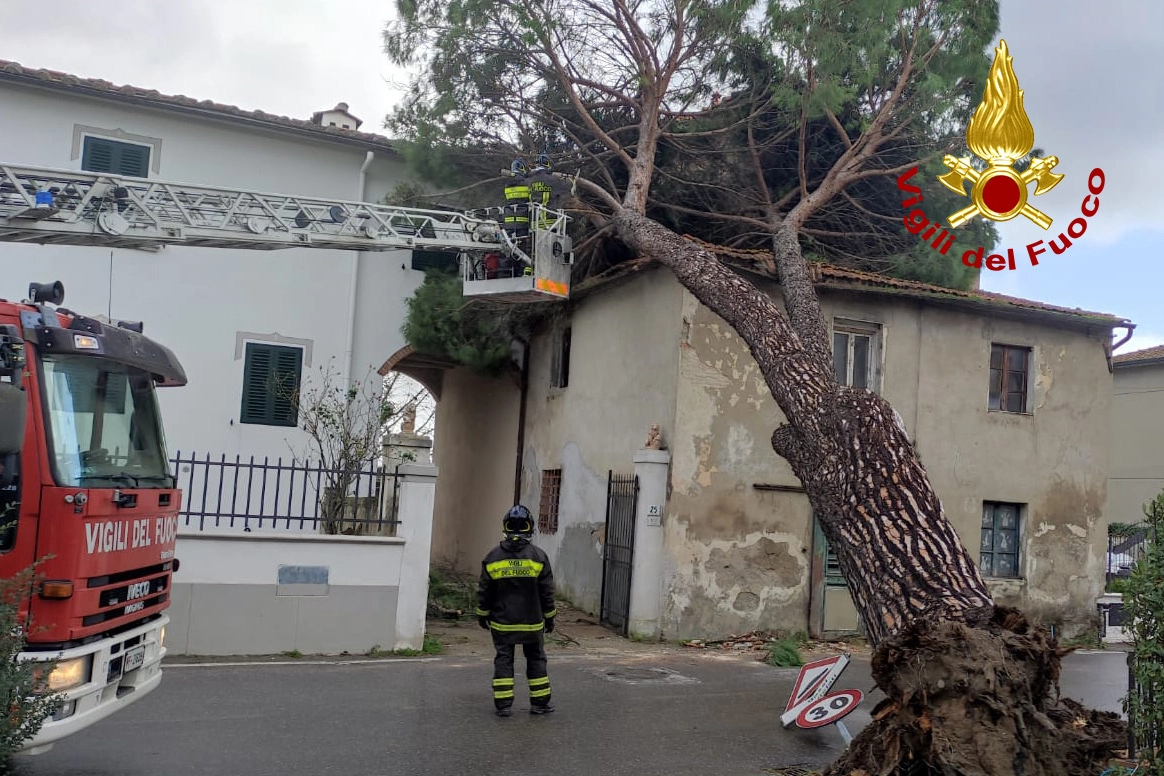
(507, 711)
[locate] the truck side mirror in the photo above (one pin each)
(13, 418)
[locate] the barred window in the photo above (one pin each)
(548, 510)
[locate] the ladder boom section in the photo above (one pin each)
(65, 207)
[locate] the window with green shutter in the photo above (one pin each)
(832, 567)
(102, 155)
(270, 379)
(443, 261)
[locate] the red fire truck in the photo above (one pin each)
(83, 454)
(86, 489)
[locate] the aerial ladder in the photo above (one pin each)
(65, 207)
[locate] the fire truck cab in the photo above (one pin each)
(88, 497)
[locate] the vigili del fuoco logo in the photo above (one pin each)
(999, 134)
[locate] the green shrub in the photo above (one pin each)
(27, 701)
(431, 646)
(1118, 585)
(1144, 615)
(785, 652)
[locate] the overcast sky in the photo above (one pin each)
(1085, 66)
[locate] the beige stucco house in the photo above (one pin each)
(1008, 402)
(1137, 428)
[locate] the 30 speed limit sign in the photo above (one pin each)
(828, 709)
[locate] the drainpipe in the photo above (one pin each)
(1131, 327)
(521, 419)
(351, 338)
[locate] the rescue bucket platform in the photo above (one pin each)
(513, 275)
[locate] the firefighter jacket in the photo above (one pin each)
(545, 190)
(517, 201)
(516, 590)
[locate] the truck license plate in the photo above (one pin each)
(134, 658)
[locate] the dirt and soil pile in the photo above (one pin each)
(978, 701)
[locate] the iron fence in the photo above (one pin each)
(250, 494)
(1123, 551)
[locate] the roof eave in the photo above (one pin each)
(1140, 362)
(1076, 320)
(211, 114)
(980, 306)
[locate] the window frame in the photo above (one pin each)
(995, 509)
(270, 416)
(560, 358)
(1028, 361)
(551, 492)
(87, 138)
(851, 328)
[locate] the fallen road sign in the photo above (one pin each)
(829, 709)
(814, 681)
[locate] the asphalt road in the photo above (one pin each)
(638, 714)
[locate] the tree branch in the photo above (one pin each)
(607, 199)
(583, 112)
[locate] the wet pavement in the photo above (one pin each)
(646, 712)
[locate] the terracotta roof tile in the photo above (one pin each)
(1139, 356)
(838, 278)
(927, 289)
(14, 72)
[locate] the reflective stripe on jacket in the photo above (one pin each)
(517, 192)
(516, 589)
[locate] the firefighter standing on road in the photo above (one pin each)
(515, 603)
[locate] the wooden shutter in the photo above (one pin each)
(134, 161)
(270, 374)
(560, 363)
(102, 155)
(288, 362)
(255, 374)
(442, 261)
(97, 156)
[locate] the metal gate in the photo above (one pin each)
(622, 495)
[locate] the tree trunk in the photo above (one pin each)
(976, 673)
(902, 558)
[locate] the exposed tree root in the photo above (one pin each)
(978, 701)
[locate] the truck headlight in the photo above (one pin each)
(70, 673)
(162, 638)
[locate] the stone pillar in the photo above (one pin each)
(402, 449)
(406, 447)
(415, 496)
(651, 466)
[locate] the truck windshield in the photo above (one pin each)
(104, 424)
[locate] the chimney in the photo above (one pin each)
(336, 118)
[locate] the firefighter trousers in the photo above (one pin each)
(535, 670)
